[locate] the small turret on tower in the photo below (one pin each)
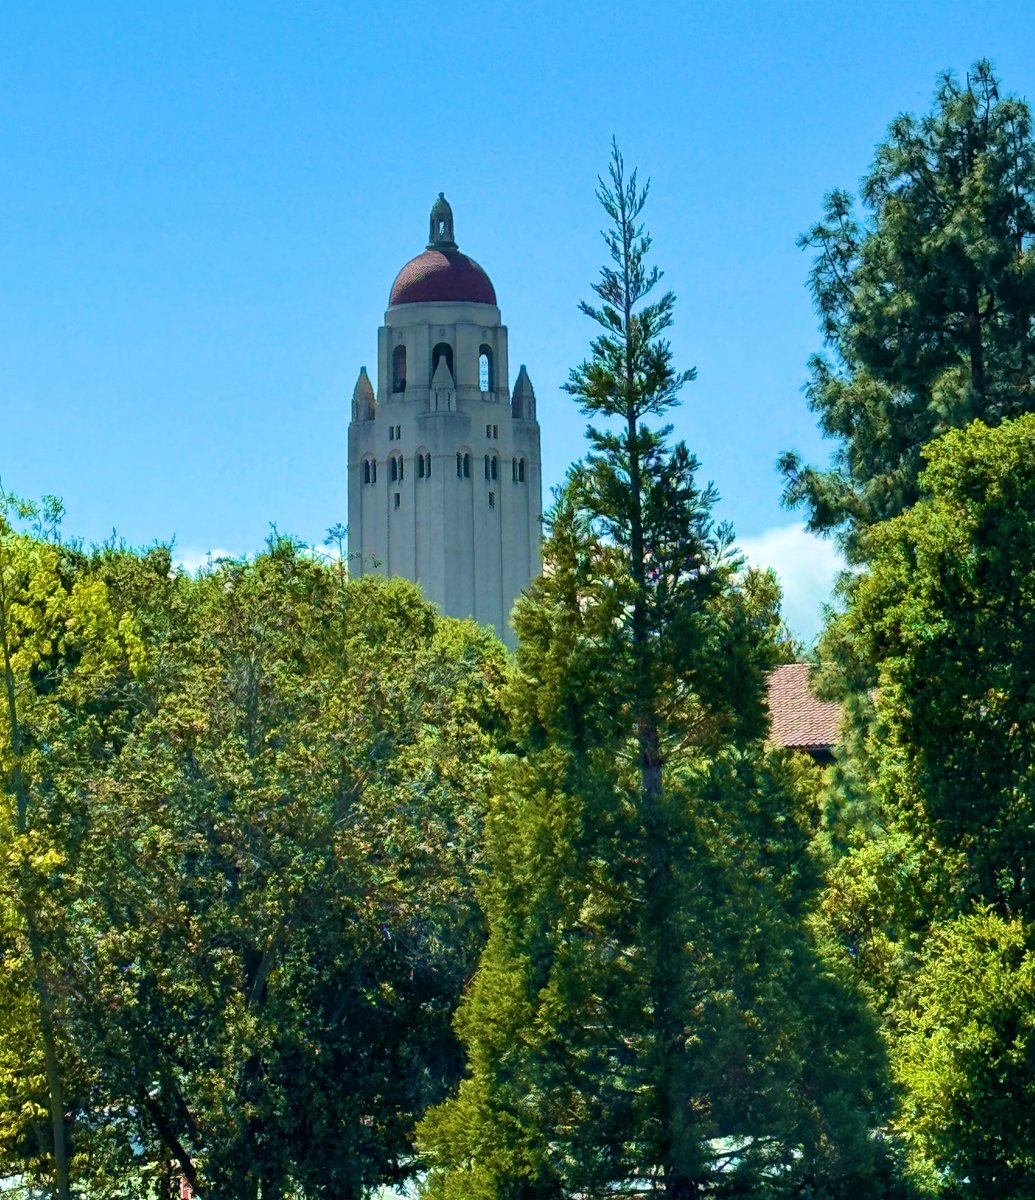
(522, 403)
(442, 387)
(363, 398)
(441, 236)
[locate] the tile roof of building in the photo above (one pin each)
(442, 275)
(798, 719)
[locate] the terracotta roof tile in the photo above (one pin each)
(799, 720)
(442, 275)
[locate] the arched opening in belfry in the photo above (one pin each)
(486, 383)
(440, 351)
(399, 369)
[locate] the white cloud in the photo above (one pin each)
(192, 559)
(806, 566)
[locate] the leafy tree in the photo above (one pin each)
(637, 1017)
(264, 912)
(937, 903)
(62, 647)
(927, 301)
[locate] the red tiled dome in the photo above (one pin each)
(442, 275)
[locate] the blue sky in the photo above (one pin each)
(203, 206)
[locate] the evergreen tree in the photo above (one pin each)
(637, 1020)
(936, 904)
(927, 302)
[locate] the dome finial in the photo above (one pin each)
(441, 237)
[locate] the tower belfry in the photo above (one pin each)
(444, 466)
(441, 235)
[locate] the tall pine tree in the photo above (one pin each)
(636, 1020)
(927, 300)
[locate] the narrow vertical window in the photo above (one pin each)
(485, 372)
(427, 465)
(399, 369)
(366, 470)
(492, 499)
(420, 466)
(397, 500)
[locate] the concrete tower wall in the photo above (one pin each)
(467, 530)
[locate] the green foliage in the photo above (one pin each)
(965, 1057)
(927, 302)
(653, 1009)
(255, 801)
(936, 902)
(948, 612)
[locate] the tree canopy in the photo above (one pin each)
(243, 817)
(638, 1020)
(927, 301)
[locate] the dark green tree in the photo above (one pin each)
(927, 300)
(637, 1017)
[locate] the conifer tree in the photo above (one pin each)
(635, 1021)
(927, 302)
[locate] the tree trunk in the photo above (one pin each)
(975, 340)
(50, 1057)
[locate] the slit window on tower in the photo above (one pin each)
(518, 469)
(399, 369)
(491, 466)
(395, 468)
(463, 465)
(369, 470)
(485, 380)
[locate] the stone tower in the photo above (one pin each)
(444, 467)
